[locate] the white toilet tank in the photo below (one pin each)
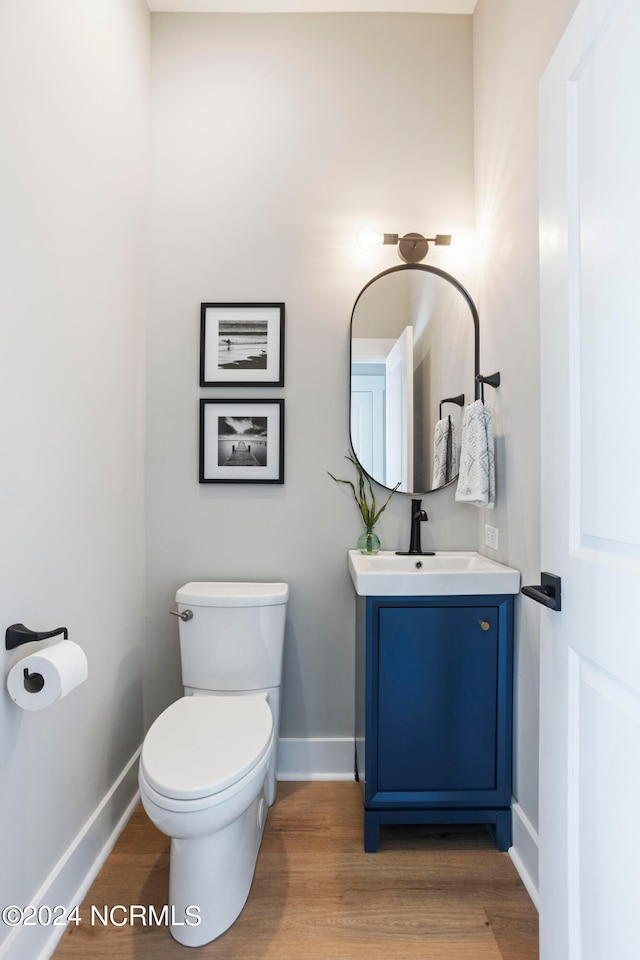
(235, 639)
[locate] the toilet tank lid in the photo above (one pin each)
(227, 594)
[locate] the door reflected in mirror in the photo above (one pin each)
(414, 356)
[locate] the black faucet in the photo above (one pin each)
(418, 515)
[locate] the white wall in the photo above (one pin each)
(73, 170)
(274, 139)
(512, 45)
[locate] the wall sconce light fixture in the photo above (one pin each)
(413, 247)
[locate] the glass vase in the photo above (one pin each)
(368, 542)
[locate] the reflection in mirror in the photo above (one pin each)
(414, 352)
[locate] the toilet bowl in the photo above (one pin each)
(202, 774)
(207, 767)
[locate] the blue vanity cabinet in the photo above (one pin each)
(434, 689)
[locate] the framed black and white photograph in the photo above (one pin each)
(242, 344)
(242, 441)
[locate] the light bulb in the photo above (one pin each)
(369, 237)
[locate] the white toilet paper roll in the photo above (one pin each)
(38, 680)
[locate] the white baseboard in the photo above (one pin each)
(316, 758)
(524, 852)
(70, 880)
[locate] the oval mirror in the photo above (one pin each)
(414, 362)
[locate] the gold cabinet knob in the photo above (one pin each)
(484, 624)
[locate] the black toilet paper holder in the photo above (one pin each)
(33, 682)
(17, 634)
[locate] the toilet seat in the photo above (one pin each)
(202, 746)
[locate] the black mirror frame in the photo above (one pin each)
(476, 343)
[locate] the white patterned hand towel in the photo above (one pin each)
(476, 481)
(445, 455)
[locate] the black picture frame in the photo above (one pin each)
(242, 344)
(241, 441)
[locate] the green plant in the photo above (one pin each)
(368, 511)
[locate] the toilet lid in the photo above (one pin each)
(201, 745)
(228, 594)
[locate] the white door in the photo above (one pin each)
(590, 341)
(367, 422)
(399, 424)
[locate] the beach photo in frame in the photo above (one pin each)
(241, 441)
(242, 344)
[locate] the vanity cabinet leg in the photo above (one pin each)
(371, 832)
(502, 830)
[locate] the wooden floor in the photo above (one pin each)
(435, 893)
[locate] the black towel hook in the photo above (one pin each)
(459, 400)
(493, 380)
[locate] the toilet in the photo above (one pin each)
(207, 770)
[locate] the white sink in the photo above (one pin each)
(445, 574)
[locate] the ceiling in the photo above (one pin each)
(312, 6)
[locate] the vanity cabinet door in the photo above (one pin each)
(437, 694)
